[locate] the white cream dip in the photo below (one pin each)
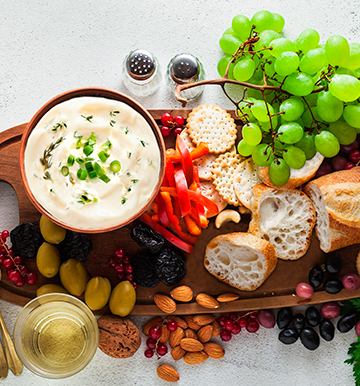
(98, 202)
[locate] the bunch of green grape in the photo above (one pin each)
(310, 99)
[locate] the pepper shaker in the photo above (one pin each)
(141, 72)
(184, 69)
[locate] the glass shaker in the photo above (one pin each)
(141, 73)
(185, 69)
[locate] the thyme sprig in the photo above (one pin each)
(46, 159)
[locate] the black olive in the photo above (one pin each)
(288, 336)
(170, 266)
(146, 238)
(333, 263)
(327, 329)
(310, 338)
(284, 317)
(144, 269)
(316, 276)
(312, 316)
(333, 285)
(75, 246)
(26, 240)
(298, 321)
(347, 321)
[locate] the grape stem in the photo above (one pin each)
(314, 122)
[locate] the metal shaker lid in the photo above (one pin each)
(140, 64)
(184, 69)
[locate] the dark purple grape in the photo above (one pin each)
(327, 329)
(333, 263)
(284, 317)
(312, 316)
(339, 162)
(347, 149)
(347, 322)
(325, 168)
(288, 336)
(310, 338)
(298, 321)
(316, 276)
(333, 285)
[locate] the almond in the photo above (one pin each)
(182, 293)
(205, 332)
(194, 358)
(154, 322)
(189, 344)
(227, 297)
(214, 350)
(189, 333)
(207, 301)
(176, 336)
(165, 303)
(167, 373)
(180, 322)
(177, 353)
(204, 319)
(216, 328)
(191, 323)
(165, 334)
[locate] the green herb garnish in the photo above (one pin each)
(81, 174)
(65, 171)
(115, 166)
(123, 200)
(103, 156)
(104, 178)
(71, 160)
(45, 160)
(113, 113)
(88, 118)
(112, 122)
(58, 126)
(134, 181)
(87, 150)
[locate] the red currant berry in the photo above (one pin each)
(31, 278)
(166, 119)
(229, 325)
(23, 270)
(149, 353)
(151, 343)
(135, 285)
(119, 253)
(354, 157)
(113, 261)
(18, 260)
(233, 316)
(155, 333)
(11, 253)
(236, 329)
(2, 250)
(20, 282)
(222, 319)
(165, 130)
(129, 277)
(171, 325)
(2, 258)
(242, 322)
(162, 349)
(121, 276)
(5, 235)
(349, 165)
(8, 263)
(177, 131)
(252, 326)
(225, 335)
(119, 267)
(14, 275)
(126, 260)
(129, 268)
(179, 121)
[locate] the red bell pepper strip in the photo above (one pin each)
(200, 209)
(182, 190)
(167, 234)
(192, 226)
(163, 216)
(169, 172)
(201, 149)
(186, 161)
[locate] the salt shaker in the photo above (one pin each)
(141, 73)
(185, 69)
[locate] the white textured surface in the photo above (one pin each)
(47, 47)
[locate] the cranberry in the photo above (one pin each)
(151, 343)
(166, 119)
(177, 131)
(162, 349)
(225, 335)
(165, 131)
(179, 121)
(149, 353)
(171, 325)
(155, 333)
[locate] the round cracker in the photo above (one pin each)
(208, 190)
(246, 177)
(188, 142)
(213, 125)
(206, 162)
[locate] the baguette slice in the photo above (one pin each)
(336, 199)
(284, 217)
(240, 259)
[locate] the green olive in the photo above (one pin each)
(97, 292)
(122, 299)
(48, 260)
(50, 289)
(51, 232)
(73, 276)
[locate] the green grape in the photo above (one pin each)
(279, 172)
(265, 126)
(307, 117)
(244, 70)
(281, 45)
(299, 121)
(241, 26)
(311, 99)
(351, 115)
(307, 40)
(307, 145)
(343, 71)
(229, 43)
(293, 109)
(345, 133)
(290, 132)
(327, 144)
(299, 84)
(286, 63)
(294, 157)
(313, 61)
(252, 134)
(222, 66)
(265, 38)
(269, 68)
(337, 50)
(262, 154)
(278, 23)
(244, 149)
(245, 109)
(345, 87)
(260, 111)
(329, 108)
(357, 73)
(262, 20)
(229, 31)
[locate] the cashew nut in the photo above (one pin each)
(226, 216)
(244, 210)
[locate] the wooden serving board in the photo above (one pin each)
(278, 290)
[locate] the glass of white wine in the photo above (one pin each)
(56, 335)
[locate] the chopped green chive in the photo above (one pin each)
(78, 143)
(71, 160)
(77, 134)
(107, 145)
(104, 178)
(81, 174)
(91, 140)
(88, 118)
(64, 171)
(79, 160)
(103, 156)
(112, 122)
(115, 166)
(134, 181)
(123, 200)
(88, 150)
(142, 142)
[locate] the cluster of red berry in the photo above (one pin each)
(16, 271)
(170, 123)
(153, 342)
(121, 263)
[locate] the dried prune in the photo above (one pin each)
(147, 238)
(26, 240)
(170, 266)
(144, 269)
(75, 246)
